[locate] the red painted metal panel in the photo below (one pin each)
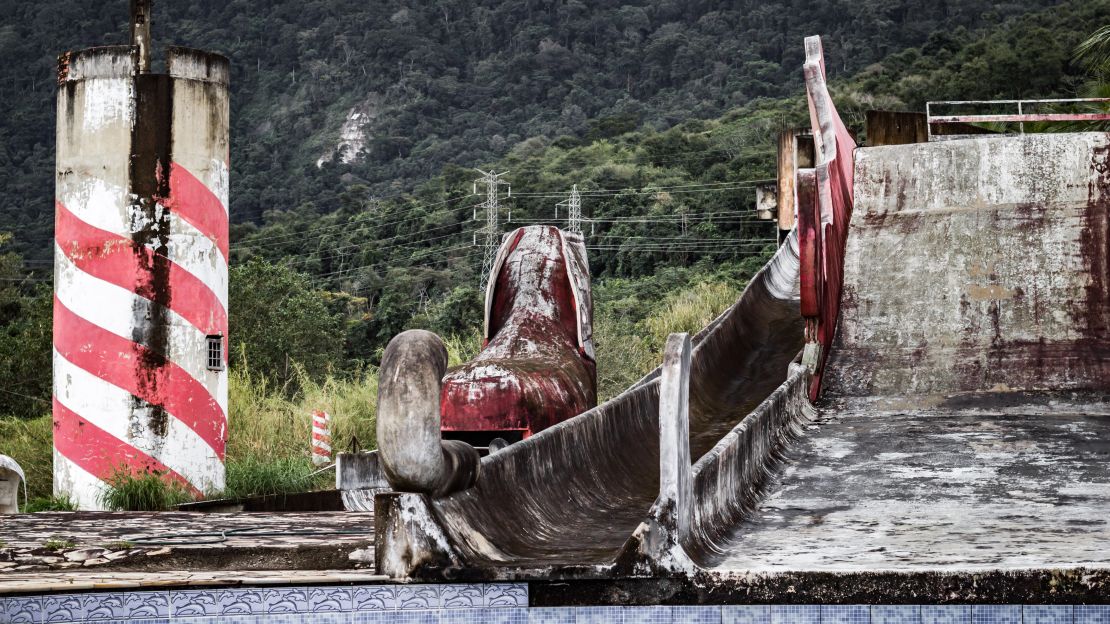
(834, 176)
(809, 243)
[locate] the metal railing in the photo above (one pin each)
(1021, 117)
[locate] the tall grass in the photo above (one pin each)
(30, 444)
(628, 349)
(143, 491)
(689, 310)
(269, 435)
(256, 476)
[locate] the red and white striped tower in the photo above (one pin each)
(141, 233)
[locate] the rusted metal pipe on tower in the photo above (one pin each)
(140, 32)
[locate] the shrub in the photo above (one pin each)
(142, 491)
(52, 503)
(30, 443)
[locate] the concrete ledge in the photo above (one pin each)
(1034, 586)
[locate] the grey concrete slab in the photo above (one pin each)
(990, 481)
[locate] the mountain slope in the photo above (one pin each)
(450, 82)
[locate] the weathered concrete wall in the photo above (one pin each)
(978, 264)
(141, 238)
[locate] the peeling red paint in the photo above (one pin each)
(531, 374)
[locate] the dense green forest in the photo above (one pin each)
(346, 268)
(459, 82)
(664, 114)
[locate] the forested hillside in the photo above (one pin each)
(451, 82)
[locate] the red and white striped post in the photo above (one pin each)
(321, 438)
(140, 307)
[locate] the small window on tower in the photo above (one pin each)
(215, 353)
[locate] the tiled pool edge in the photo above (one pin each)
(481, 604)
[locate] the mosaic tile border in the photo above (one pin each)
(228, 604)
(482, 604)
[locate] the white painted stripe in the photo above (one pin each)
(116, 309)
(111, 408)
(107, 207)
(107, 101)
(217, 179)
(79, 485)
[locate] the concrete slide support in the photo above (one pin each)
(657, 544)
(1008, 285)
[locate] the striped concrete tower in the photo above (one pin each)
(141, 233)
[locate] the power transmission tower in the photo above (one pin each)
(574, 209)
(492, 207)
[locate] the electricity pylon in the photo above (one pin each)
(492, 230)
(574, 210)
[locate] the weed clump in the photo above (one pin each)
(146, 490)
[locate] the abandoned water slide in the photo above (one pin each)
(575, 494)
(964, 410)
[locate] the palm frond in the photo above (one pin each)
(1094, 53)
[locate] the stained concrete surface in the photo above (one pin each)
(974, 482)
(110, 542)
(976, 265)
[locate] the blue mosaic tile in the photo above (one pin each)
(194, 603)
(551, 615)
(895, 614)
(373, 598)
(795, 614)
(1047, 614)
(845, 614)
(418, 597)
(515, 615)
(462, 596)
(150, 621)
(242, 601)
(506, 595)
(63, 608)
(329, 599)
(1092, 614)
(286, 600)
(411, 616)
(325, 618)
(648, 615)
(599, 615)
(746, 614)
(946, 614)
(696, 615)
(279, 618)
(996, 614)
(22, 610)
